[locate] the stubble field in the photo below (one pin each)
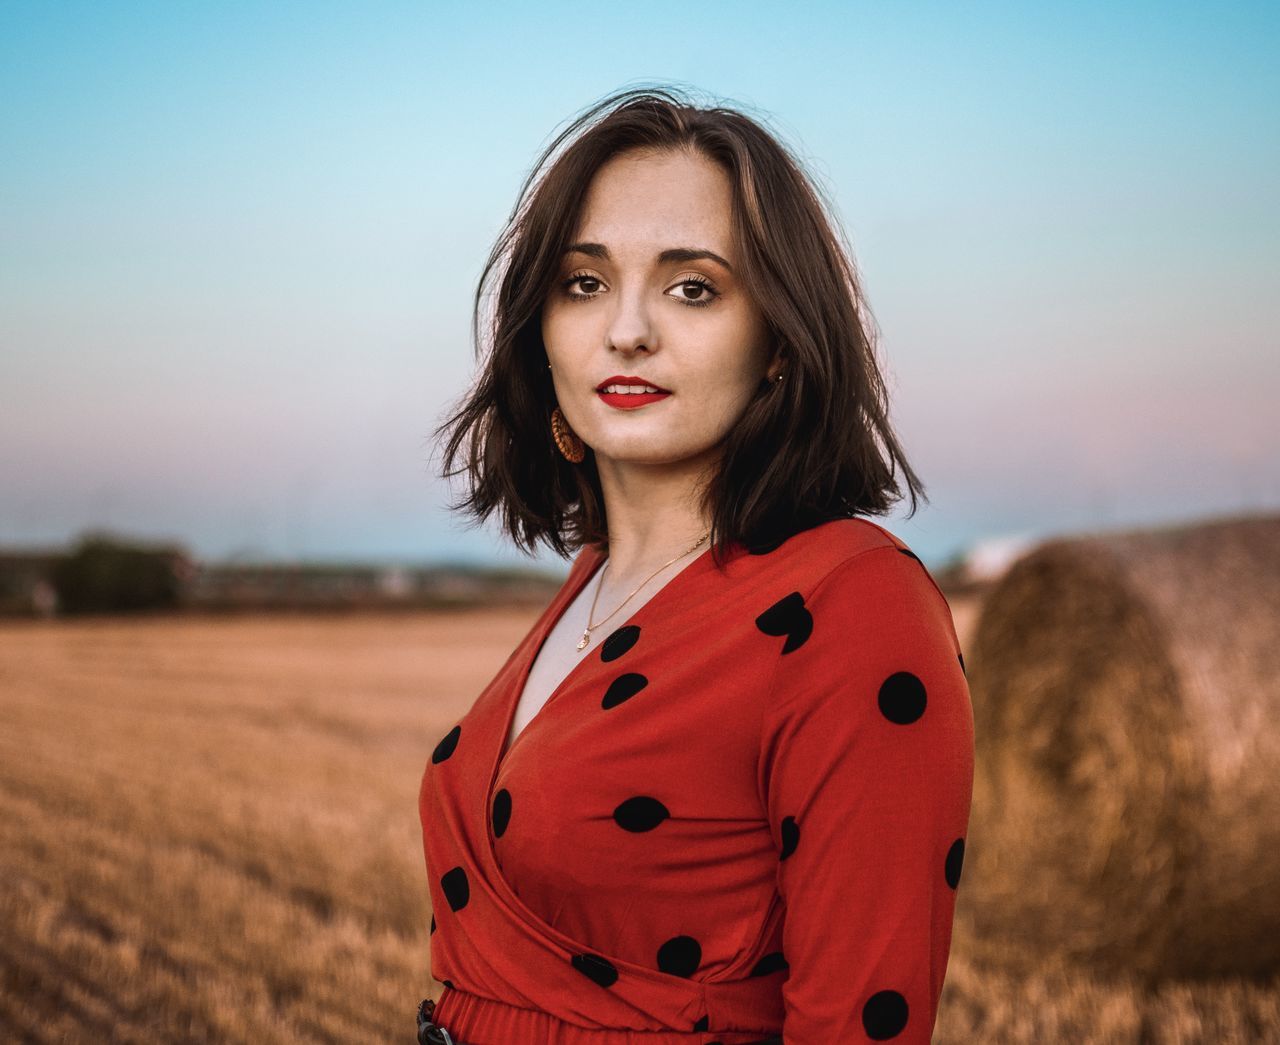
(208, 832)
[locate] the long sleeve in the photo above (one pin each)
(867, 773)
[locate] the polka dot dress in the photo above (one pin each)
(742, 815)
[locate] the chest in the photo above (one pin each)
(673, 720)
(556, 660)
(559, 654)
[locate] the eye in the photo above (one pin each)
(695, 291)
(581, 278)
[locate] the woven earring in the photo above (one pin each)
(566, 438)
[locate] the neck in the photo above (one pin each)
(653, 515)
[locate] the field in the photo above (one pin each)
(208, 832)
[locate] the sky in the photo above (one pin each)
(239, 244)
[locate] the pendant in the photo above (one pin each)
(582, 644)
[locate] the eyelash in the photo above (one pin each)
(702, 282)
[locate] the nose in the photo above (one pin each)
(630, 327)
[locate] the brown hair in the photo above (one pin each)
(816, 446)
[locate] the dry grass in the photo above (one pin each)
(208, 828)
(208, 832)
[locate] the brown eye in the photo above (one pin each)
(589, 290)
(696, 293)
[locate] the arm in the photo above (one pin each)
(867, 775)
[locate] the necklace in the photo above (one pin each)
(586, 634)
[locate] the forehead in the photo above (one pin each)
(647, 200)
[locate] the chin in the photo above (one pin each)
(653, 452)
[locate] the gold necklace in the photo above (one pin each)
(586, 634)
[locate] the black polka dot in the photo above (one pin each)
(433, 922)
(770, 963)
(704, 1023)
(624, 687)
(902, 698)
(790, 836)
(596, 968)
(449, 984)
(960, 657)
(447, 743)
(884, 1015)
(641, 813)
(457, 890)
(619, 642)
(680, 956)
(788, 616)
(955, 861)
(501, 812)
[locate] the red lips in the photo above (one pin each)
(619, 379)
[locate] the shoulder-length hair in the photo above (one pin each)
(814, 447)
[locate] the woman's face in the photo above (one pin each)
(633, 301)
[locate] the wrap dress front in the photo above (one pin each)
(741, 815)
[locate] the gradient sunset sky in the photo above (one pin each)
(239, 242)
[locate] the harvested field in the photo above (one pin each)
(208, 832)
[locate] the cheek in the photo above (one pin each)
(555, 317)
(723, 387)
(742, 350)
(550, 327)
(565, 332)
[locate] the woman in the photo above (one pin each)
(719, 793)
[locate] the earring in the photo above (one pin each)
(566, 438)
(776, 378)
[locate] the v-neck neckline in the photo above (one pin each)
(549, 620)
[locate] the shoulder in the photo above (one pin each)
(824, 552)
(863, 615)
(842, 539)
(846, 575)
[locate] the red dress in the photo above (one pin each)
(741, 815)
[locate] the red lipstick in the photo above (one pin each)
(630, 400)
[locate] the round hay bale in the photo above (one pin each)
(1126, 694)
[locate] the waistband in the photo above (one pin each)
(430, 1032)
(433, 1032)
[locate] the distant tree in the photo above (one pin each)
(105, 575)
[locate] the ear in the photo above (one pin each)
(774, 366)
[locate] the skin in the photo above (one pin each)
(630, 314)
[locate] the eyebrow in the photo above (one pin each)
(599, 250)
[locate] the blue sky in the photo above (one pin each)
(238, 245)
